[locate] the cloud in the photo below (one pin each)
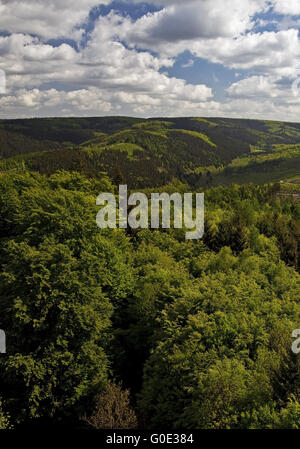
(47, 19)
(188, 64)
(267, 52)
(29, 63)
(123, 66)
(96, 101)
(290, 7)
(128, 80)
(262, 97)
(186, 21)
(135, 71)
(258, 87)
(35, 102)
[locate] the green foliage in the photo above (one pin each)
(223, 345)
(4, 418)
(59, 282)
(127, 148)
(199, 331)
(289, 417)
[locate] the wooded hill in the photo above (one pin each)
(198, 331)
(145, 153)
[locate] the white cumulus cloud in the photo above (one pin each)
(45, 18)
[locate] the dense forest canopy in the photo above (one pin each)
(198, 331)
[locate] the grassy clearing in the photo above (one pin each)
(152, 125)
(290, 188)
(203, 120)
(196, 134)
(268, 172)
(128, 148)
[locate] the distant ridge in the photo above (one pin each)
(153, 152)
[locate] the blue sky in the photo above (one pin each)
(161, 58)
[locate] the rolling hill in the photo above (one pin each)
(152, 152)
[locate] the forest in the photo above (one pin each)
(146, 153)
(123, 328)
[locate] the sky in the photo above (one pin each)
(160, 58)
